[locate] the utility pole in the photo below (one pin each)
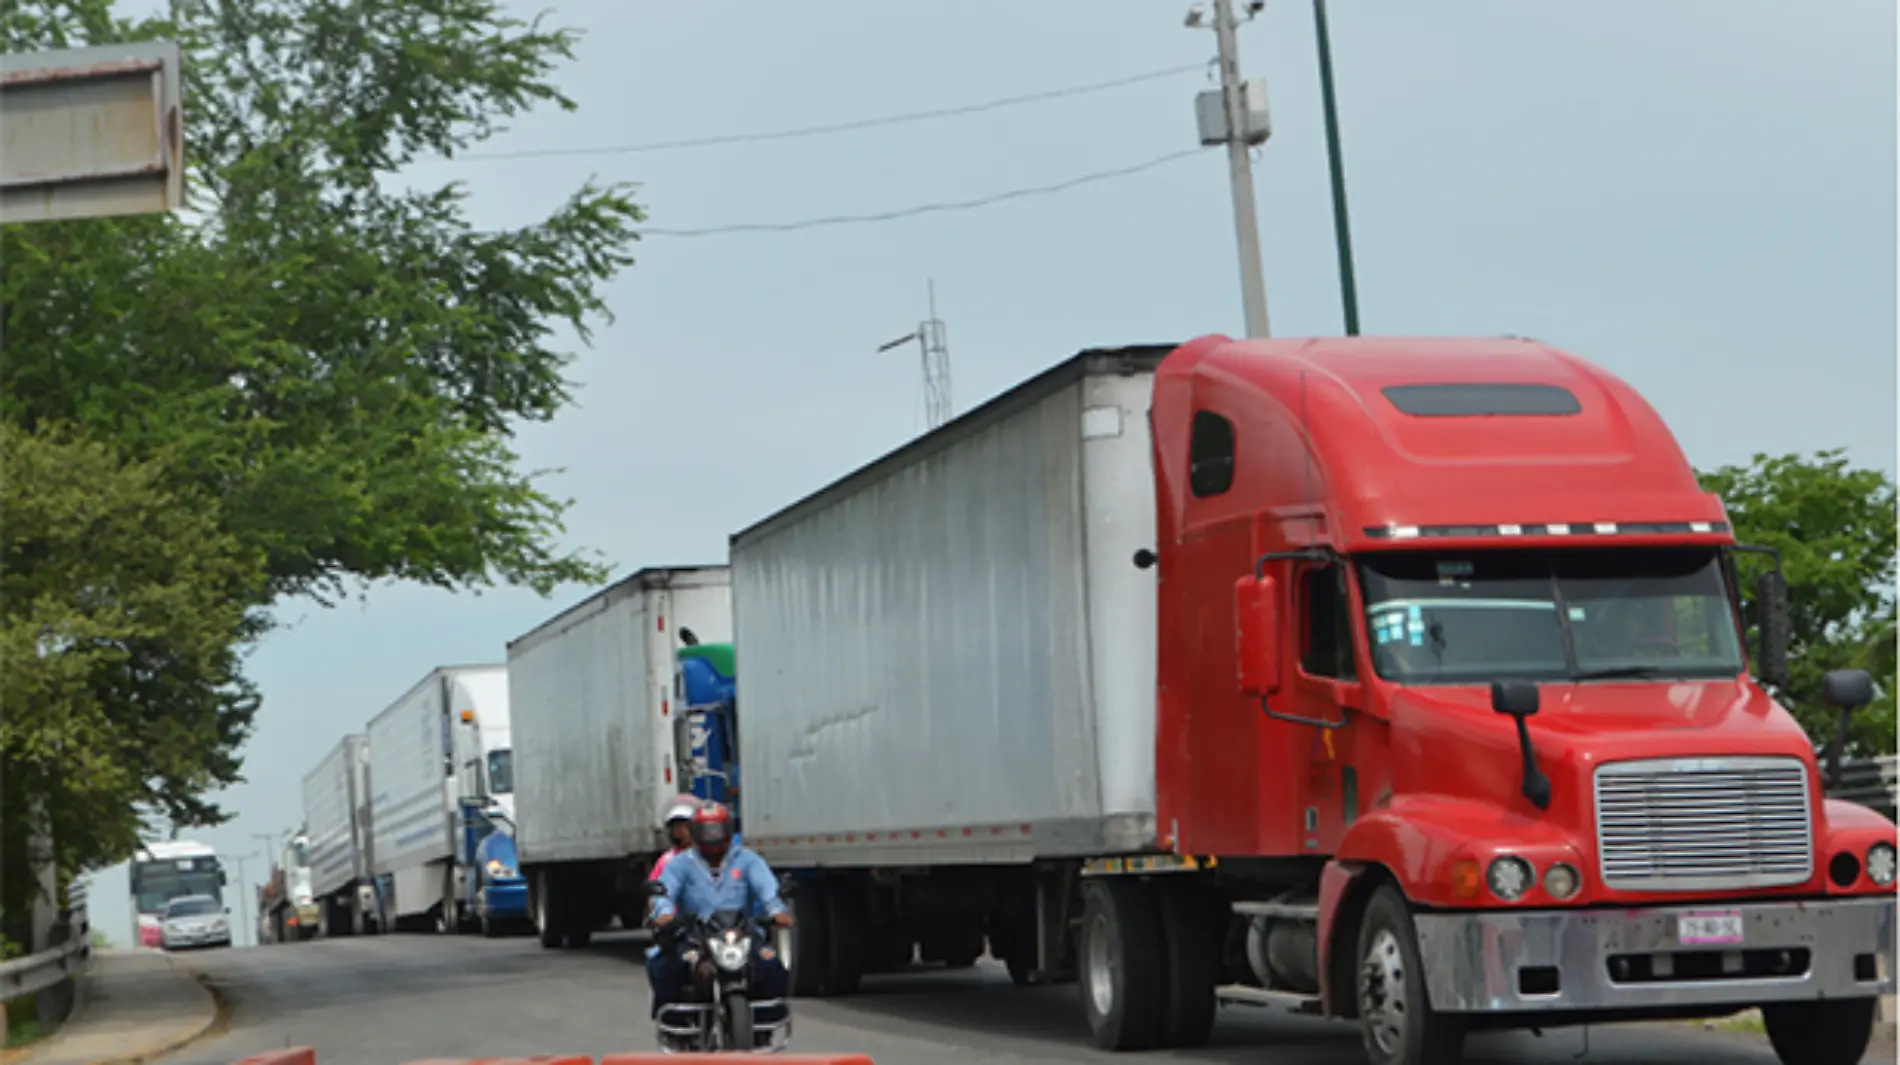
(244, 907)
(935, 354)
(1237, 117)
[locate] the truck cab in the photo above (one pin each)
(1454, 622)
(484, 759)
(706, 688)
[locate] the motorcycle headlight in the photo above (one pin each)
(730, 954)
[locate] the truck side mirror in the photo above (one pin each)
(1514, 698)
(1257, 631)
(1846, 690)
(1771, 606)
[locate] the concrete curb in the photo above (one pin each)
(71, 1045)
(187, 1033)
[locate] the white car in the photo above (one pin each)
(194, 921)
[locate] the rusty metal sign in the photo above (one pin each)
(91, 132)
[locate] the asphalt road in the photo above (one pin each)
(389, 1000)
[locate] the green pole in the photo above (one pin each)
(1342, 225)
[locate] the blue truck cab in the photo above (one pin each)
(497, 893)
(707, 689)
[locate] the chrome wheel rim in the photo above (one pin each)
(1382, 1005)
(1101, 966)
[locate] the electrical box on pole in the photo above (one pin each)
(91, 132)
(1210, 113)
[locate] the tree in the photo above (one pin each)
(324, 363)
(122, 608)
(1834, 526)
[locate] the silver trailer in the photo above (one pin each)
(950, 669)
(418, 782)
(336, 818)
(596, 753)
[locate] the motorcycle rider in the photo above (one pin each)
(678, 822)
(718, 874)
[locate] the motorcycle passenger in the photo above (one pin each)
(678, 821)
(718, 874)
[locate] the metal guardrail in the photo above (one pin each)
(37, 972)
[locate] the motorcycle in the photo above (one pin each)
(716, 1009)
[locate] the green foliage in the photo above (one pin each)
(309, 381)
(122, 610)
(1834, 526)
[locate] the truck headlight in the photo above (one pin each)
(1562, 880)
(1510, 877)
(1881, 864)
(498, 870)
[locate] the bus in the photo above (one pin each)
(161, 872)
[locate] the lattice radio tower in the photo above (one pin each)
(935, 355)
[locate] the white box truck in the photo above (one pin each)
(437, 758)
(336, 820)
(595, 702)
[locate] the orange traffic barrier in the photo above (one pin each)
(289, 1056)
(727, 1059)
(538, 1059)
(307, 1056)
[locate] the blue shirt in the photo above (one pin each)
(743, 882)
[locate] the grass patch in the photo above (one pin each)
(23, 1022)
(1745, 1021)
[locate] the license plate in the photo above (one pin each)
(1709, 928)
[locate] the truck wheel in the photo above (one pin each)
(845, 920)
(1828, 1032)
(808, 940)
(1121, 964)
(547, 911)
(1193, 920)
(1396, 1019)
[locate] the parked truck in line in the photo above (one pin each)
(336, 812)
(1392, 680)
(440, 775)
(605, 732)
(287, 908)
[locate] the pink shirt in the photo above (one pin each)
(660, 865)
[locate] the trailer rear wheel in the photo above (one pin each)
(809, 941)
(1121, 964)
(1396, 1020)
(1828, 1032)
(846, 920)
(1193, 920)
(547, 910)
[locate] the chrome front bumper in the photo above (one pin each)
(1553, 960)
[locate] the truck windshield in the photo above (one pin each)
(1602, 614)
(501, 771)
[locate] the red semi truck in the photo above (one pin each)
(1400, 680)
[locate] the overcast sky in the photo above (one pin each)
(1698, 195)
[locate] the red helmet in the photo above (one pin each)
(712, 829)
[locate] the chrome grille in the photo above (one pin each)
(1699, 824)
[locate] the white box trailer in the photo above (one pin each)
(950, 673)
(336, 820)
(592, 691)
(417, 783)
(948, 655)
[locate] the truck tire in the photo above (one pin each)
(1396, 1020)
(846, 918)
(547, 910)
(1193, 921)
(810, 941)
(1827, 1032)
(1121, 964)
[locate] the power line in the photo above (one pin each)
(928, 208)
(838, 127)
